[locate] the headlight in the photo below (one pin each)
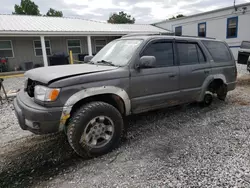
(46, 94)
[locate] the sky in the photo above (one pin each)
(144, 11)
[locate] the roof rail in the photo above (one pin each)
(195, 36)
(144, 34)
(168, 34)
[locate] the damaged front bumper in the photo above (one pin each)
(36, 118)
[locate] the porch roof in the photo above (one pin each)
(54, 26)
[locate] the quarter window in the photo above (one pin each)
(190, 53)
(38, 47)
(74, 46)
(202, 29)
(99, 44)
(6, 49)
(218, 50)
(162, 51)
(232, 27)
(178, 31)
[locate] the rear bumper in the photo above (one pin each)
(36, 118)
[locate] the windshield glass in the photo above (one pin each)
(117, 53)
(245, 44)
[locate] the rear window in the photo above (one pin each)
(218, 50)
(245, 44)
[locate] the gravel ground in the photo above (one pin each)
(184, 146)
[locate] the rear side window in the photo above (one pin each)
(162, 51)
(245, 44)
(218, 50)
(189, 53)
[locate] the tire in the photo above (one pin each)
(88, 123)
(207, 101)
(222, 92)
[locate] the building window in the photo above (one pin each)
(74, 45)
(38, 47)
(178, 31)
(99, 44)
(232, 27)
(202, 29)
(6, 49)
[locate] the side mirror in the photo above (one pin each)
(147, 62)
(87, 58)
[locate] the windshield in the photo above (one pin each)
(245, 44)
(117, 53)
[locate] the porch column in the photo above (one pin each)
(45, 59)
(89, 45)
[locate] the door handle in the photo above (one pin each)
(206, 71)
(172, 75)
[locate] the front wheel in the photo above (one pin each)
(95, 129)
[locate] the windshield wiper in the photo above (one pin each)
(106, 62)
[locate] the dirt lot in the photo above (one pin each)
(184, 146)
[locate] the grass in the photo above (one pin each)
(12, 76)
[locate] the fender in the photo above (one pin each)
(208, 81)
(92, 92)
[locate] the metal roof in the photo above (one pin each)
(42, 25)
(203, 13)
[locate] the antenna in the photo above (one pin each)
(235, 6)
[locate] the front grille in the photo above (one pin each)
(31, 87)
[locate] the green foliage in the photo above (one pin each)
(178, 16)
(121, 18)
(26, 7)
(55, 13)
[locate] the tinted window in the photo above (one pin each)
(189, 53)
(245, 44)
(163, 52)
(201, 56)
(202, 30)
(178, 31)
(232, 25)
(218, 50)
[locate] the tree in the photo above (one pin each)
(26, 7)
(121, 18)
(173, 17)
(55, 13)
(178, 16)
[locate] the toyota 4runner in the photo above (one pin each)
(134, 74)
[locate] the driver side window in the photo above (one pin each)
(162, 51)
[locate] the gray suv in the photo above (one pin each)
(130, 75)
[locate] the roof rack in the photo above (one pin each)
(145, 34)
(195, 36)
(166, 34)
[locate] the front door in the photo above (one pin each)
(152, 88)
(194, 69)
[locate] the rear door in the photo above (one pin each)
(155, 87)
(194, 69)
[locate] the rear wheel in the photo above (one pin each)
(95, 129)
(222, 92)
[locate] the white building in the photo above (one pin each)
(34, 39)
(231, 24)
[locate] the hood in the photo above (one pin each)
(47, 75)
